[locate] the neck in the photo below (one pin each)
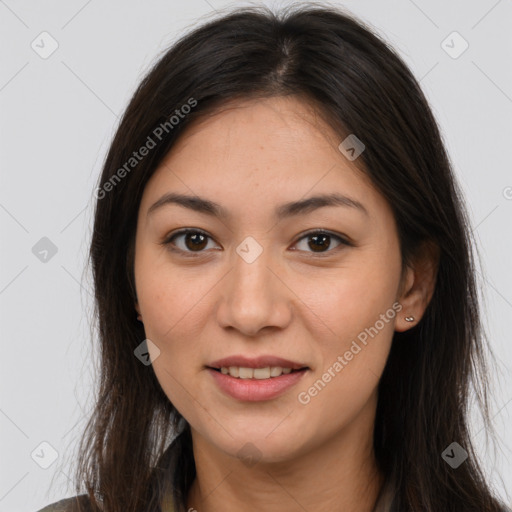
(340, 474)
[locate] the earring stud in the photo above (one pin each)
(409, 319)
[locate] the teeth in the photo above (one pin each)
(275, 371)
(243, 373)
(262, 373)
(255, 373)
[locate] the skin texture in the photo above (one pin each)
(291, 302)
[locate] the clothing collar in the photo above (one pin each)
(385, 498)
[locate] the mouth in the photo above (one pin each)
(262, 367)
(256, 379)
(267, 372)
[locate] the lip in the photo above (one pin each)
(254, 390)
(256, 362)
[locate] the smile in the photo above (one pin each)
(268, 372)
(256, 387)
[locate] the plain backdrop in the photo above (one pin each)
(58, 114)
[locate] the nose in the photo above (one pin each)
(255, 297)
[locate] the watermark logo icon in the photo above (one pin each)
(249, 454)
(44, 455)
(454, 455)
(44, 45)
(44, 250)
(351, 147)
(454, 45)
(147, 352)
(249, 250)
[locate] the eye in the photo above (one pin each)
(196, 240)
(321, 240)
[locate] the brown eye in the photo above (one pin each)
(195, 241)
(191, 240)
(321, 242)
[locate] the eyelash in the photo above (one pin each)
(195, 254)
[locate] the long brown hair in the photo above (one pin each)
(129, 451)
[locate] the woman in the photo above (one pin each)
(284, 282)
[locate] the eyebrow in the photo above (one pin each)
(301, 207)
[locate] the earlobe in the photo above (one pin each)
(137, 308)
(406, 319)
(419, 284)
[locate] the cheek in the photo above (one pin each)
(357, 323)
(173, 314)
(352, 361)
(170, 298)
(167, 305)
(355, 296)
(173, 319)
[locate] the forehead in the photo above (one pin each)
(259, 151)
(289, 127)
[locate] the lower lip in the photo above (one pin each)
(254, 390)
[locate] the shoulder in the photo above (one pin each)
(81, 503)
(78, 503)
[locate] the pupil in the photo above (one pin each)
(195, 238)
(322, 244)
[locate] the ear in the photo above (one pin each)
(417, 285)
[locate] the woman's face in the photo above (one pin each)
(252, 284)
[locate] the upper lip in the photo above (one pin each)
(256, 362)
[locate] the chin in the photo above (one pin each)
(259, 448)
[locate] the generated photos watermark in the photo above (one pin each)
(157, 135)
(304, 397)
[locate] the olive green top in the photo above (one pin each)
(384, 503)
(70, 504)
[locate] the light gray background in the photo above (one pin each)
(57, 117)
